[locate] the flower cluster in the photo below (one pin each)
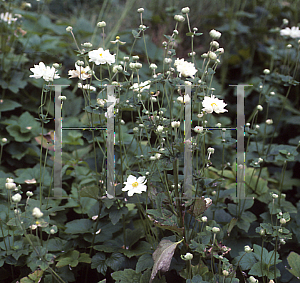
(45, 72)
(82, 73)
(186, 69)
(141, 87)
(101, 56)
(213, 104)
(293, 32)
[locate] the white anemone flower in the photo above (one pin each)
(80, 72)
(101, 56)
(141, 87)
(7, 17)
(186, 69)
(213, 104)
(293, 32)
(135, 185)
(45, 72)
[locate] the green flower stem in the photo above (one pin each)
(1, 150)
(282, 180)
(189, 268)
(261, 258)
(93, 239)
(232, 274)
(178, 202)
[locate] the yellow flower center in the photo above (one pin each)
(37, 222)
(117, 37)
(135, 184)
(100, 54)
(82, 72)
(213, 104)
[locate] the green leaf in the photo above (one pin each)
(16, 81)
(116, 214)
(126, 276)
(246, 261)
(69, 258)
(55, 245)
(79, 226)
(7, 105)
(140, 248)
(145, 261)
(294, 262)
(196, 279)
(84, 257)
(98, 261)
(162, 257)
(90, 192)
(116, 261)
(33, 277)
(267, 257)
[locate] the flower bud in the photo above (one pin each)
(16, 198)
(215, 34)
(285, 21)
(220, 50)
(269, 122)
(4, 140)
(153, 66)
(140, 10)
(175, 124)
(185, 10)
(55, 65)
(159, 129)
(212, 55)
(282, 221)
(36, 212)
(282, 241)
(29, 194)
(87, 44)
(135, 57)
(266, 71)
(62, 97)
(215, 230)
(179, 18)
(225, 273)
(10, 186)
(247, 249)
(262, 232)
(215, 44)
(168, 60)
(187, 256)
(259, 107)
(69, 29)
(252, 280)
(101, 24)
(210, 150)
(204, 219)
